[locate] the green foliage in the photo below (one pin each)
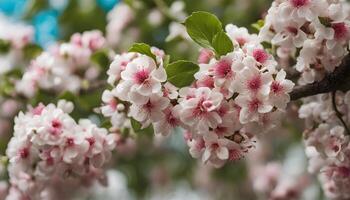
(206, 30)
(181, 73)
(101, 59)
(7, 86)
(142, 48)
(75, 18)
(258, 25)
(222, 44)
(202, 27)
(325, 21)
(34, 7)
(4, 46)
(67, 95)
(31, 51)
(137, 127)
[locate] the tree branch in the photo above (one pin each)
(337, 80)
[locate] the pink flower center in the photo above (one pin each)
(220, 130)
(56, 126)
(202, 108)
(91, 141)
(24, 153)
(340, 30)
(173, 121)
(223, 110)
(223, 69)
(241, 41)
(50, 161)
(200, 144)
(206, 82)
(207, 105)
(292, 30)
(260, 55)
(214, 146)
(276, 87)
(113, 103)
(254, 104)
(123, 65)
(335, 148)
(299, 3)
(141, 76)
(148, 106)
(70, 142)
(254, 84)
(187, 136)
(343, 171)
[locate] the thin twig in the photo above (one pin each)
(338, 113)
(337, 80)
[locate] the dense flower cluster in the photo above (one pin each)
(327, 142)
(50, 149)
(314, 32)
(15, 36)
(231, 98)
(60, 67)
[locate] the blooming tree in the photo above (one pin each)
(241, 87)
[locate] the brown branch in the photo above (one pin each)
(337, 80)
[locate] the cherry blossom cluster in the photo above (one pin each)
(16, 36)
(327, 142)
(118, 19)
(272, 180)
(276, 180)
(230, 100)
(315, 33)
(137, 79)
(64, 66)
(49, 149)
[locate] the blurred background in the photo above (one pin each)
(161, 168)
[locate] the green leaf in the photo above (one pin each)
(222, 44)
(325, 21)
(106, 124)
(202, 27)
(266, 45)
(166, 60)
(101, 59)
(67, 95)
(258, 25)
(4, 46)
(137, 127)
(15, 73)
(181, 73)
(31, 51)
(143, 48)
